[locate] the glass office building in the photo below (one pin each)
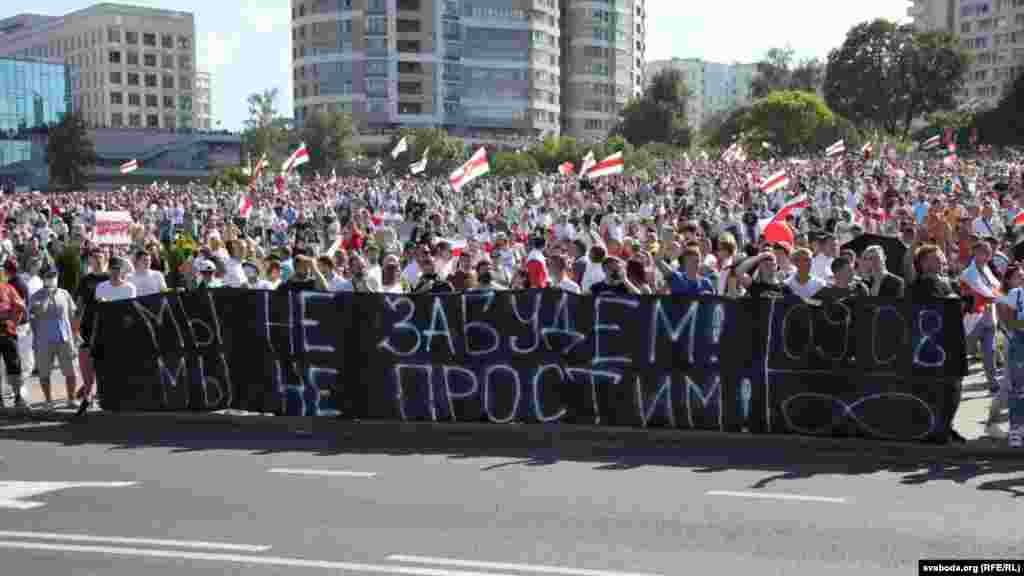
(33, 94)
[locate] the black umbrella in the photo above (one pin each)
(894, 250)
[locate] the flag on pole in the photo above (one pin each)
(421, 165)
(932, 142)
(257, 172)
(775, 182)
(298, 158)
(835, 149)
(985, 288)
(588, 163)
(244, 206)
(775, 229)
(565, 169)
(129, 166)
(866, 150)
(474, 168)
(950, 158)
(402, 146)
(947, 136)
(378, 167)
(613, 164)
(334, 176)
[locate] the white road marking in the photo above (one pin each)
(240, 559)
(533, 568)
(144, 541)
(304, 472)
(12, 492)
(777, 496)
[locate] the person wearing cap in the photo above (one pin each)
(615, 281)
(253, 279)
(12, 310)
(51, 310)
(206, 270)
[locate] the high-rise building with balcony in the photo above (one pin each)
(202, 96)
(991, 30)
(129, 66)
(714, 87)
(482, 69)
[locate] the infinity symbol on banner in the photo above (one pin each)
(850, 411)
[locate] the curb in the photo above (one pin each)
(522, 435)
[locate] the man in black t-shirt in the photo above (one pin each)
(85, 300)
(615, 281)
(844, 284)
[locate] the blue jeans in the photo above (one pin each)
(986, 336)
(1015, 392)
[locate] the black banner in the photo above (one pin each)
(862, 367)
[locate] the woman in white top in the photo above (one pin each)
(1015, 363)
(117, 288)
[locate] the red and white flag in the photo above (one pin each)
(457, 245)
(474, 168)
(932, 142)
(775, 182)
(298, 158)
(257, 172)
(1019, 219)
(857, 218)
(985, 288)
(865, 150)
(950, 158)
(775, 229)
(244, 206)
(565, 169)
(588, 163)
(129, 166)
(835, 149)
(613, 164)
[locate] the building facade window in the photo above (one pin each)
(167, 41)
(131, 37)
(185, 83)
(151, 81)
(184, 43)
(149, 39)
(134, 100)
(133, 79)
(132, 58)
(169, 102)
(168, 62)
(117, 120)
(152, 101)
(184, 62)
(152, 121)
(115, 77)
(116, 98)
(114, 57)
(377, 25)
(149, 60)
(113, 36)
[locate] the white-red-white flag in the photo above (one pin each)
(985, 288)
(474, 168)
(298, 158)
(565, 169)
(129, 166)
(932, 142)
(835, 149)
(257, 172)
(588, 163)
(244, 206)
(865, 150)
(613, 164)
(775, 229)
(402, 146)
(775, 182)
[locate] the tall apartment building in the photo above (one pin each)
(714, 87)
(486, 69)
(202, 95)
(129, 66)
(992, 30)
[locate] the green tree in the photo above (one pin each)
(232, 177)
(722, 128)
(788, 120)
(553, 151)
(513, 163)
(1003, 125)
(885, 75)
(776, 71)
(659, 115)
(329, 140)
(69, 151)
(265, 130)
(446, 152)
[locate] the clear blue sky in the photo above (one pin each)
(246, 45)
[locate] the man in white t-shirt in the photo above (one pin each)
(117, 288)
(146, 281)
(560, 275)
(803, 283)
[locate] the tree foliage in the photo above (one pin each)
(885, 75)
(446, 152)
(551, 152)
(232, 177)
(776, 71)
(329, 140)
(789, 120)
(511, 163)
(722, 128)
(265, 130)
(659, 115)
(1004, 124)
(69, 151)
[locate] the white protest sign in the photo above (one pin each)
(112, 228)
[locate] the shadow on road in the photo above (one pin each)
(524, 447)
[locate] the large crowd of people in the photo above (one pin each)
(696, 227)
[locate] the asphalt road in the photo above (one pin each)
(205, 502)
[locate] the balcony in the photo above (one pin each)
(409, 46)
